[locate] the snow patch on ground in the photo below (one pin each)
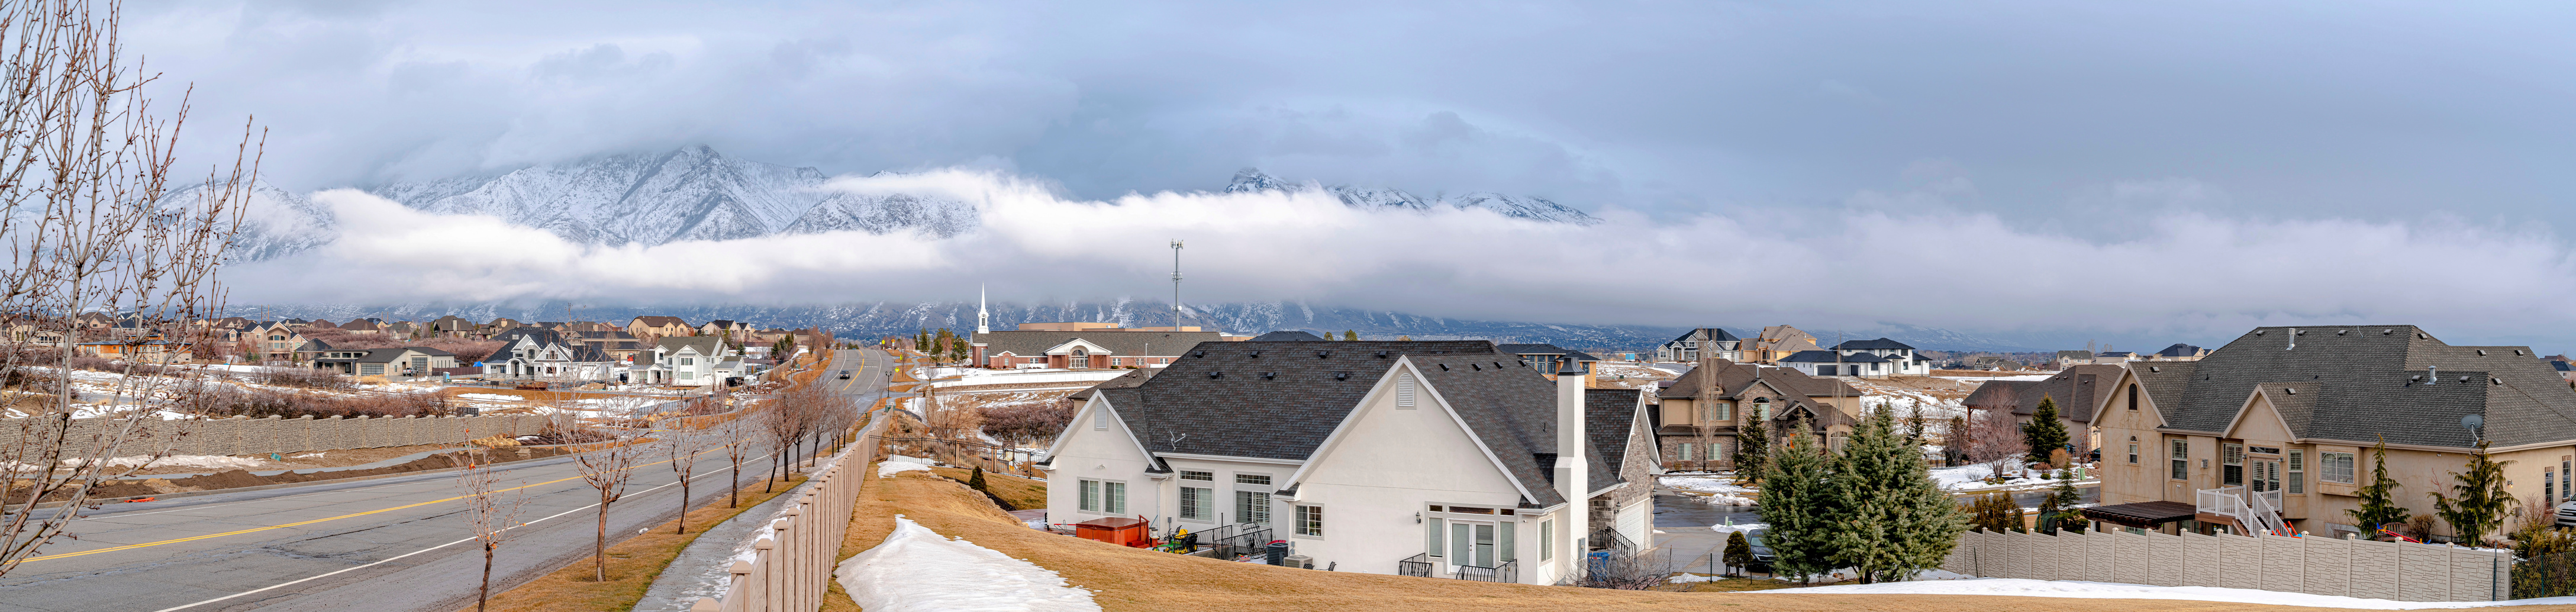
(887, 469)
(491, 397)
(1721, 490)
(2112, 590)
(916, 569)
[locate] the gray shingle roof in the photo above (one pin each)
(2077, 389)
(1128, 343)
(1287, 335)
(1242, 413)
(1879, 344)
(1544, 349)
(1832, 357)
(2368, 381)
(1707, 334)
(1610, 418)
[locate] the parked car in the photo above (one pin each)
(2567, 514)
(1762, 555)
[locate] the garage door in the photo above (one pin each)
(1632, 523)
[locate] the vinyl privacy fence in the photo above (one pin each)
(2314, 565)
(246, 436)
(791, 568)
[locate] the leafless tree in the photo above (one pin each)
(606, 466)
(490, 512)
(736, 433)
(90, 224)
(685, 442)
(777, 419)
(1994, 438)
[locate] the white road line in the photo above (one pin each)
(396, 557)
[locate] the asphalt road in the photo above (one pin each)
(393, 544)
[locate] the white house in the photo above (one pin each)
(687, 361)
(1709, 342)
(543, 354)
(1433, 459)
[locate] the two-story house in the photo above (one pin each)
(1702, 343)
(453, 326)
(1901, 358)
(544, 354)
(655, 326)
(685, 361)
(275, 341)
(1547, 357)
(1700, 412)
(2275, 429)
(1434, 458)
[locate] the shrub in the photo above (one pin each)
(1025, 423)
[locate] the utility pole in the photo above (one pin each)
(1176, 284)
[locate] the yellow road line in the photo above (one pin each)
(319, 520)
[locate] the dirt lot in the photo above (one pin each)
(1134, 579)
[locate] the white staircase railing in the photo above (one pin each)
(2256, 513)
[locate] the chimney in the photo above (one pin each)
(1572, 466)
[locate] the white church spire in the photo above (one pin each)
(983, 319)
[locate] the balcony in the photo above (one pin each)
(2252, 512)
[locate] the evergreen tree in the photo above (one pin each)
(1350, 335)
(976, 481)
(1914, 424)
(2055, 509)
(2044, 432)
(2481, 507)
(1752, 444)
(2379, 498)
(1798, 502)
(1739, 551)
(1895, 518)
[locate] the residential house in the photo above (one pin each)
(2275, 429)
(364, 326)
(321, 324)
(684, 361)
(405, 329)
(1106, 347)
(1778, 342)
(1547, 357)
(2067, 359)
(1700, 412)
(2076, 390)
(544, 354)
(153, 350)
(1900, 357)
(1431, 458)
(2115, 357)
(1705, 342)
(274, 341)
(659, 327)
(402, 361)
(1838, 363)
(619, 345)
(2179, 352)
(724, 327)
(453, 326)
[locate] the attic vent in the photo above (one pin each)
(2464, 379)
(1525, 363)
(1444, 367)
(2297, 332)
(1381, 354)
(2154, 369)
(1499, 365)
(1269, 375)
(1323, 354)
(2258, 332)
(1200, 354)
(1215, 374)
(2517, 352)
(2387, 332)
(1256, 354)
(2496, 380)
(1403, 391)
(1476, 367)
(1341, 376)
(2420, 336)
(2482, 352)
(2340, 332)
(1100, 419)
(2291, 391)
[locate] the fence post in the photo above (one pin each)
(738, 592)
(764, 577)
(781, 568)
(706, 605)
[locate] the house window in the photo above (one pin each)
(2298, 467)
(1252, 507)
(1762, 409)
(2181, 459)
(2231, 459)
(1431, 536)
(1090, 496)
(1113, 497)
(1310, 521)
(1686, 451)
(1081, 358)
(2564, 474)
(2548, 488)
(1547, 539)
(371, 368)
(2133, 449)
(688, 375)
(2133, 397)
(688, 361)
(1190, 475)
(1196, 502)
(1251, 479)
(2334, 467)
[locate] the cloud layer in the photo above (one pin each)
(2184, 274)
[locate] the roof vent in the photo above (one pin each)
(1444, 367)
(2154, 369)
(2417, 377)
(2258, 332)
(1525, 363)
(1215, 374)
(2420, 336)
(1269, 375)
(1341, 376)
(2464, 379)
(2340, 332)
(1323, 354)
(2496, 380)
(2290, 390)
(1256, 354)
(1198, 353)
(2387, 332)
(1476, 367)
(1381, 354)
(2482, 352)
(2517, 352)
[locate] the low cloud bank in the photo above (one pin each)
(2193, 274)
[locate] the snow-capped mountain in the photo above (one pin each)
(694, 193)
(1252, 180)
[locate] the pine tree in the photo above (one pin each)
(1752, 445)
(1798, 502)
(1914, 424)
(976, 481)
(1739, 551)
(2379, 498)
(1895, 518)
(2483, 502)
(2044, 432)
(2058, 506)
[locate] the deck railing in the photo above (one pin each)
(1509, 571)
(1418, 566)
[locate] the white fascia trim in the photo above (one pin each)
(1067, 347)
(1099, 401)
(1229, 458)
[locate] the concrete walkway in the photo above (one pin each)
(704, 568)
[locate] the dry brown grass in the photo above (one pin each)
(1022, 492)
(632, 565)
(1141, 580)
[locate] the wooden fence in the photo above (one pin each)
(2316, 565)
(792, 567)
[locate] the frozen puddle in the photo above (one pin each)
(917, 570)
(2110, 590)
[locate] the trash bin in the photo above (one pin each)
(1278, 552)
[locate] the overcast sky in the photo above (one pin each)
(2093, 127)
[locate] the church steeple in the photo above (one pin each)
(983, 318)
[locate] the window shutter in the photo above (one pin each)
(1099, 419)
(1404, 391)
(1503, 541)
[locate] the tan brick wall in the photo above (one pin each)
(2321, 566)
(248, 436)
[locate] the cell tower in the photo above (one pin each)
(1176, 283)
